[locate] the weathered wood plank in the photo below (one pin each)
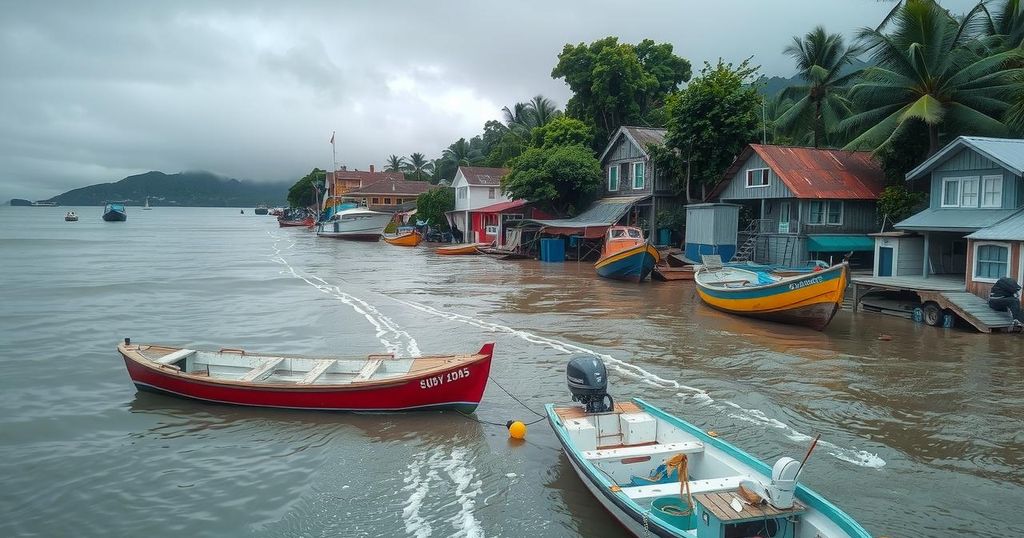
(316, 371)
(263, 371)
(368, 370)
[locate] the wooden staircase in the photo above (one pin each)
(752, 233)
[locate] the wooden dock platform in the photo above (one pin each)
(938, 293)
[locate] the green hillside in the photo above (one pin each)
(192, 189)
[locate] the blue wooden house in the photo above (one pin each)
(630, 172)
(972, 228)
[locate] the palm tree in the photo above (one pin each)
(419, 166)
(461, 153)
(524, 117)
(820, 103)
(518, 118)
(1003, 25)
(542, 110)
(930, 68)
(395, 164)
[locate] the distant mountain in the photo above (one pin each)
(773, 85)
(192, 189)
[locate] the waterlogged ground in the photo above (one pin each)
(922, 434)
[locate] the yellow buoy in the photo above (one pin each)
(516, 429)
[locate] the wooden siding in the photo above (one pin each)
(712, 224)
(859, 217)
(968, 162)
(784, 249)
(910, 261)
(737, 188)
(623, 154)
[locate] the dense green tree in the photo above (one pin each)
(395, 164)
(562, 131)
(929, 67)
(711, 121)
(820, 102)
(616, 84)
(494, 132)
(419, 167)
(432, 205)
(511, 145)
(896, 203)
(460, 153)
(302, 193)
(563, 179)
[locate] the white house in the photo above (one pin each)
(476, 187)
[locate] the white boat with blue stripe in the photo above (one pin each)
(659, 475)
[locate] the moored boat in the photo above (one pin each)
(668, 273)
(626, 255)
(146, 207)
(461, 249)
(294, 218)
(375, 383)
(810, 299)
(71, 216)
(261, 210)
(410, 238)
(660, 475)
(357, 223)
(115, 212)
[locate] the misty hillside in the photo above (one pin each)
(194, 189)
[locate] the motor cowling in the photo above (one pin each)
(587, 379)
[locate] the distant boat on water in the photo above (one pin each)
(71, 216)
(147, 204)
(261, 209)
(115, 212)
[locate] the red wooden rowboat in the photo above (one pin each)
(294, 223)
(376, 383)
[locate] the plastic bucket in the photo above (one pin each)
(671, 510)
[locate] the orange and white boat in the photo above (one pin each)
(404, 239)
(626, 255)
(460, 250)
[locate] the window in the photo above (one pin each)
(462, 193)
(992, 191)
(490, 193)
(613, 177)
(969, 192)
(374, 201)
(826, 212)
(991, 261)
(757, 177)
(638, 175)
(387, 201)
(951, 192)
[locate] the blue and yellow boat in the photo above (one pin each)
(626, 255)
(810, 299)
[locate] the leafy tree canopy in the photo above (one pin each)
(563, 179)
(562, 131)
(302, 194)
(712, 120)
(896, 203)
(617, 84)
(432, 205)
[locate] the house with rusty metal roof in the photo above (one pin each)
(803, 204)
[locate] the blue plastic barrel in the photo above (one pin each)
(552, 250)
(664, 236)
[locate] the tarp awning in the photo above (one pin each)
(593, 222)
(840, 243)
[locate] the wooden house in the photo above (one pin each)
(629, 171)
(803, 203)
(389, 195)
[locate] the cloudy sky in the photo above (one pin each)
(94, 91)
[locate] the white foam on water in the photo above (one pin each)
(462, 473)
(419, 472)
(754, 416)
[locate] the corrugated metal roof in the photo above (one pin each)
(954, 219)
(639, 136)
(478, 175)
(1008, 152)
(600, 215)
(825, 173)
(1008, 229)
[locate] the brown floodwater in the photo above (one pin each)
(922, 434)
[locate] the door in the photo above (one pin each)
(885, 257)
(784, 218)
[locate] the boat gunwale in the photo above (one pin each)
(644, 248)
(783, 280)
(462, 361)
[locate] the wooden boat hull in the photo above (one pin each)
(459, 385)
(410, 239)
(460, 250)
(638, 517)
(294, 223)
(633, 264)
(810, 300)
(669, 274)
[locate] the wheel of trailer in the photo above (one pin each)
(932, 314)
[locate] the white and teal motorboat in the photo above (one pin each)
(659, 475)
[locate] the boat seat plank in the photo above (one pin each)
(568, 413)
(645, 450)
(175, 356)
(263, 371)
(719, 503)
(674, 488)
(316, 371)
(367, 372)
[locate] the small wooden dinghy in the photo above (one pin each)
(810, 299)
(405, 239)
(376, 383)
(626, 255)
(659, 475)
(668, 273)
(460, 250)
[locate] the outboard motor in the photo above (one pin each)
(778, 492)
(588, 382)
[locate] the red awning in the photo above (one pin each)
(499, 207)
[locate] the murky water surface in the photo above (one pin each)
(924, 434)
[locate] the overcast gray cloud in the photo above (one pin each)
(95, 91)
